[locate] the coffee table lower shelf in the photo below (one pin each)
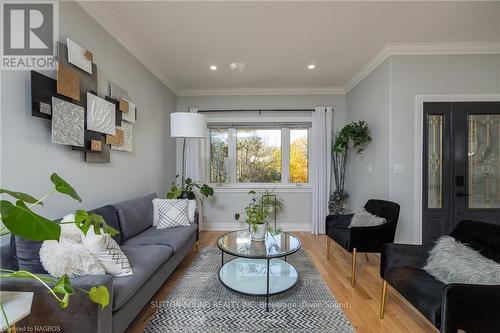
(250, 276)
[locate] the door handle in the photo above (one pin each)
(462, 194)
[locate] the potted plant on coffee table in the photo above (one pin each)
(257, 212)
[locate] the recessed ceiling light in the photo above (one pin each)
(311, 66)
(213, 67)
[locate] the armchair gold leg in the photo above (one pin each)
(366, 255)
(328, 244)
(353, 270)
(382, 300)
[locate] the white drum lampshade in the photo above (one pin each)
(187, 125)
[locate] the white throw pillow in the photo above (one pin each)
(364, 218)
(109, 254)
(68, 257)
(191, 210)
(168, 213)
(451, 261)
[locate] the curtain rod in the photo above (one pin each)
(254, 110)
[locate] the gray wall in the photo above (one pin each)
(219, 212)
(389, 104)
(422, 75)
(369, 101)
(28, 157)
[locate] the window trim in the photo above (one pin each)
(285, 161)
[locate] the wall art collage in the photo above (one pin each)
(80, 118)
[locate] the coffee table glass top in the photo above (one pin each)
(239, 243)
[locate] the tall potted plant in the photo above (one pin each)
(354, 136)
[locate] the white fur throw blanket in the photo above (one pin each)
(451, 261)
(364, 218)
(69, 256)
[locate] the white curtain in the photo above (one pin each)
(321, 166)
(195, 164)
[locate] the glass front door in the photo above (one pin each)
(461, 166)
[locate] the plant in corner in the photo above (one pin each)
(187, 190)
(354, 136)
(19, 219)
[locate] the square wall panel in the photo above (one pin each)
(67, 123)
(100, 115)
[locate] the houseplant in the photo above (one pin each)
(257, 212)
(187, 190)
(354, 136)
(19, 219)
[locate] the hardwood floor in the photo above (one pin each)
(363, 301)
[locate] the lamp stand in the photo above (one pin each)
(183, 164)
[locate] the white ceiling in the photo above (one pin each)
(178, 41)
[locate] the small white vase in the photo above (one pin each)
(260, 234)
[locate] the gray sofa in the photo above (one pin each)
(153, 254)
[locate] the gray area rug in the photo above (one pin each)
(200, 303)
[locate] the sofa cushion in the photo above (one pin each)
(174, 237)
(144, 260)
(25, 255)
(135, 215)
(110, 216)
(420, 289)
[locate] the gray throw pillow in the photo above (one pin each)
(451, 261)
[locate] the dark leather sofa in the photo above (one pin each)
(452, 307)
(153, 255)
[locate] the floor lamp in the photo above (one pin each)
(187, 125)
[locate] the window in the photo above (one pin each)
(218, 155)
(299, 153)
(259, 154)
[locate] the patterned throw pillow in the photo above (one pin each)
(108, 252)
(171, 213)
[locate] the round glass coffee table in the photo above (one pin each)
(260, 267)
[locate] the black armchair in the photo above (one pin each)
(450, 307)
(363, 239)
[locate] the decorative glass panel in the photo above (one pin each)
(219, 155)
(483, 161)
(435, 161)
(299, 157)
(258, 155)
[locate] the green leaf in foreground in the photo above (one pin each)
(237, 216)
(21, 196)
(63, 286)
(21, 221)
(84, 221)
(63, 187)
(99, 295)
(25, 275)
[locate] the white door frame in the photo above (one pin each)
(419, 130)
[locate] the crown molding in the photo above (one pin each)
(393, 49)
(262, 91)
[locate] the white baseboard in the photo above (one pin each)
(221, 226)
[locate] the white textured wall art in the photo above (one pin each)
(100, 115)
(76, 56)
(67, 123)
(130, 115)
(127, 138)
